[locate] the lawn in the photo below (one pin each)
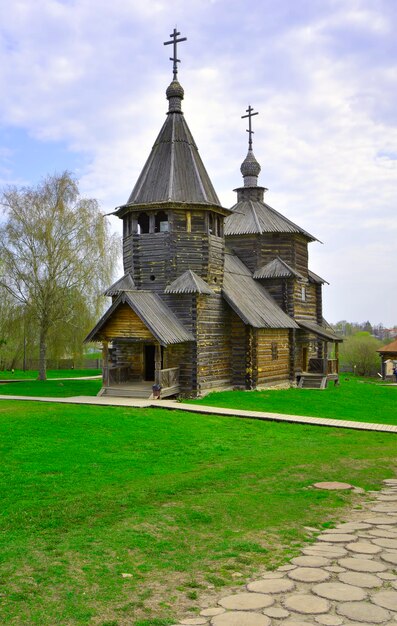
(354, 399)
(33, 374)
(179, 502)
(52, 388)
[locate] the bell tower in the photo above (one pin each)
(173, 220)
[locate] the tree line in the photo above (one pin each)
(57, 256)
(358, 352)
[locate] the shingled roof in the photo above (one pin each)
(249, 299)
(174, 171)
(124, 283)
(253, 216)
(153, 312)
(277, 269)
(189, 282)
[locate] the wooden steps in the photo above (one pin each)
(127, 391)
(312, 381)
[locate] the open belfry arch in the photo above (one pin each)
(211, 297)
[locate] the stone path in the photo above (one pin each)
(348, 577)
(210, 410)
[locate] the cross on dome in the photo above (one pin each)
(174, 41)
(249, 131)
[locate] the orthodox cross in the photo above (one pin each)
(250, 131)
(175, 41)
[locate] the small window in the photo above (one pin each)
(161, 224)
(274, 351)
(210, 224)
(143, 223)
(303, 294)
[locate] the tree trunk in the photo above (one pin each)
(43, 354)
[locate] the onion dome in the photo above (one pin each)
(175, 95)
(250, 170)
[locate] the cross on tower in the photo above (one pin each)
(250, 131)
(175, 41)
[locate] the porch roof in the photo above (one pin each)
(153, 312)
(324, 333)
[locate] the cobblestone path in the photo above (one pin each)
(348, 577)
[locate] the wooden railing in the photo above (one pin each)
(323, 366)
(169, 377)
(332, 366)
(116, 374)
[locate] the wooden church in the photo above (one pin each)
(212, 297)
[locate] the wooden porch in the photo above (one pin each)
(118, 381)
(319, 373)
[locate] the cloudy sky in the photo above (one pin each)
(83, 88)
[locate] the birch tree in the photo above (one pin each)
(57, 255)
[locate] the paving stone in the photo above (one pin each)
(286, 568)
(390, 507)
(389, 557)
(211, 612)
(306, 604)
(386, 498)
(311, 561)
(378, 532)
(339, 592)
(273, 575)
(339, 530)
(386, 543)
(240, 618)
(394, 585)
(349, 526)
(276, 612)
(381, 521)
(334, 569)
(194, 621)
(337, 538)
(246, 601)
(363, 612)
(309, 575)
(387, 576)
(333, 553)
(362, 565)
(386, 599)
(360, 579)
(329, 620)
(360, 555)
(276, 585)
(364, 547)
(330, 486)
(295, 622)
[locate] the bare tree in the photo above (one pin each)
(57, 255)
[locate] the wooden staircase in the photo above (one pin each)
(137, 390)
(312, 381)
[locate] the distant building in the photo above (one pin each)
(212, 297)
(388, 355)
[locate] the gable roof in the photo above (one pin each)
(174, 171)
(277, 269)
(255, 216)
(153, 312)
(188, 282)
(124, 283)
(249, 299)
(391, 348)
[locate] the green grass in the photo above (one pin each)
(355, 399)
(179, 501)
(52, 388)
(33, 374)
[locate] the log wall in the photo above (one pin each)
(125, 323)
(270, 342)
(213, 343)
